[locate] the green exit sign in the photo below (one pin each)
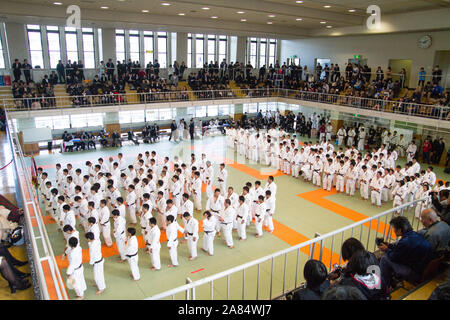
(356, 115)
(357, 56)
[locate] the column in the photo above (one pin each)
(182, 47)
(17, 41)
(238, 111)
(240, 54)
(109, 44)
(111, 122)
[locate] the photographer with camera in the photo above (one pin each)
(357, 271)
(407, 257)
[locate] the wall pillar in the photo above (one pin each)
(182, 47)
(109, 45)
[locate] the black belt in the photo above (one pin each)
(104, 224)
(316, 170)
(132, 204)
(132, 255)
(267, 210)
(257, 215)
(239, 217)
(208, 231)
(79, 267)
(98, 261)
(214, 211)
(340, 174)
(191, 234)
(225, 222)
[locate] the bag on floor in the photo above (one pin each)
(16, 237)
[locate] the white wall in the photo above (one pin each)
(378, 49)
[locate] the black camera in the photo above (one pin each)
(379, 241)
(335, 273)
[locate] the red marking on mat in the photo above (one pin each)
(198, 270)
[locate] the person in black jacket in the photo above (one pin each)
(173, 128)
(17, 70)
(407, 257)
(191, 129)
(358, 274)
(315, 274)
(26, 70)
(61, 72)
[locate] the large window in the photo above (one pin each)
(213, 111)
(199, 51)
(54, 122)
(86, 120)
(71, 44)
(272, 51)
(120, 44)
(222, 48)
(148, 46)
(253, 52)
(134, 45)
(35, 45)
(88, 48)
(262, 54)
(2, 55)
(54, 48)
(200, 111)
(167, 113)
(211, 49)
(136, 116)
(162, 49)
(189, 51)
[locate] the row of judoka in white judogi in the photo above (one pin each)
(76, 196)
(376, 174)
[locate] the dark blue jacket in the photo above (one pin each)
(412, 250)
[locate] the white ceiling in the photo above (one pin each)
(256, 13)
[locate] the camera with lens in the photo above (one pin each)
(336, 272)
(379, 241)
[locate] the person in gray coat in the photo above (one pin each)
(436, 232)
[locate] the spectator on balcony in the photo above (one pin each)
(406, 258)
(17, 70)
(426, 148)
(315, 274)
(437, 75)
(27, 70)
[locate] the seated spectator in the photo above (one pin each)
(342, 292)
(358, 274)
(16, 278)
(407, 257)
(436, 232)
(315, 274)
(441, 204)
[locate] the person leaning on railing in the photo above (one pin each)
(316, 276)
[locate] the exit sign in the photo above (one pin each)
(357, 56)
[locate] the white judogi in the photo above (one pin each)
(131, 252)
(222, 179)
(172, 241)
(242, 214)
(177, 192)
(209, 229)
(376, 194)
(215, 206)
(317, 168)
(76, 270)
(228, 215)
(341, 135)
(270, 210)
(191, 229)
(152, 240)
(340, 174)
(365, 178)
(208, 176)
(351, 136)
(411, 151)
(259, 217)
(351, 176)
(361, 139)
(105, 225)
(97, 262)
(328, 176)
(131, 202)
(197, 191)
(119, 235)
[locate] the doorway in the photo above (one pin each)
(397, 65)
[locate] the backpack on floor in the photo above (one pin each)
(16, 237)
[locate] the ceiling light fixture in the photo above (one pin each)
(240, 12)
(104, 7)
(181, 14)
(165, 4)
(271, 16)
(243, 20)
(323, 22)
(57, 3)
(214, 17)
(351, 10)
(144, 10)
(298, 1)
(205, 8)
(269, 22)
(329, 27)
(327, 7)
(299, 19)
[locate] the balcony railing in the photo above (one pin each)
(380, 105)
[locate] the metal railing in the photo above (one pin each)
(42, 253)
(274, 275)
(380, 105)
